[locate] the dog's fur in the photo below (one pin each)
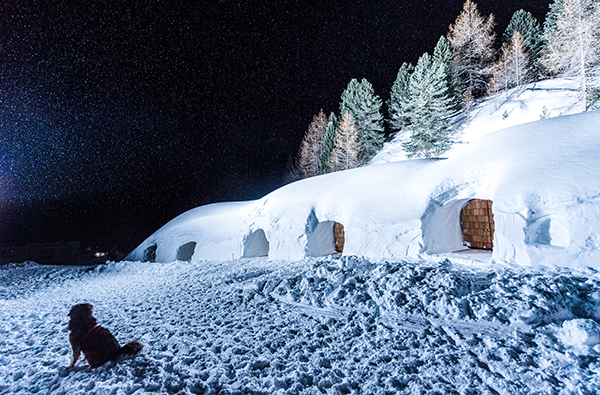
(97, 343)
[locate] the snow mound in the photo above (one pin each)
(581, 334)
(339, 325)
(542, 177)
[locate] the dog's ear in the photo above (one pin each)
(72, 310)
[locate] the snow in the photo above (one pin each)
(541, 176)
(335, 325)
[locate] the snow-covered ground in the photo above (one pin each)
(334, 325)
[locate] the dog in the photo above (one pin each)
(97, 343)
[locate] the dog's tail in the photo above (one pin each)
(130, 348)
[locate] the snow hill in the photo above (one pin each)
(542, 178)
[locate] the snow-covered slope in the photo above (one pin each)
(542, 177)
(549, 98)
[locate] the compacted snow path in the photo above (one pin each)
(335, 325)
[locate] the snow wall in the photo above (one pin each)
(543, 178)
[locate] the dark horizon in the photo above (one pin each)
(114, 119)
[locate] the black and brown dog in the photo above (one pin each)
(97, 343)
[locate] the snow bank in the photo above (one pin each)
(542, 177)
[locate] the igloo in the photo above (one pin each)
(542, 180)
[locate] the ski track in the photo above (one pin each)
(334, 325)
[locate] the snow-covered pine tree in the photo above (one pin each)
(328, 144)
(442, 54)
(512, 68)
(360, 100)
(551, 21)
(574, 44)
(308, 159)
(531, 31)
(429, 126)
(402, 102)
(399, 102)
(346, 151)
(472, 38)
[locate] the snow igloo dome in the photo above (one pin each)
(529, 193)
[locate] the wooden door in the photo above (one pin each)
(477, 223)
(338, 234)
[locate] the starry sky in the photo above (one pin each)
(116, 116)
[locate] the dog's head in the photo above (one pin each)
(81, 316)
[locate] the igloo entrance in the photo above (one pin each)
(256, 244)
(185, 252)
(320, 239)
(150, 253)
(451, 225)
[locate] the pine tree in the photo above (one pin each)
(551, 22)
(364, 106)
(345, 154)
(442, 54)
(308, 159)
(574, 44)
(399, 103)
(471, 38)
(512, 68)
(531, 31)
(328, 144)
(429, 126)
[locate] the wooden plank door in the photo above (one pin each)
(477, 223)
(338, 234)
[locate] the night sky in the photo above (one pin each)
(116, 116)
